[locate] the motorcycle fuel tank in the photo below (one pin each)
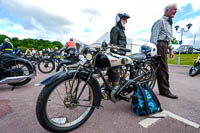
(112, 60)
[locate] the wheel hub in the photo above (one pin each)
(69, 101)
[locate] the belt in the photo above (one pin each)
(163, 41)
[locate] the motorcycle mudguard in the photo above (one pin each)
(21, 60)
(53, 77)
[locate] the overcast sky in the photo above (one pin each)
(87, 20)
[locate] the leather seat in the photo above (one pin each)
(138, 56)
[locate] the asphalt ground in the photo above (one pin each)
(17, 109)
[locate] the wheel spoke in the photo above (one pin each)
(72, 112)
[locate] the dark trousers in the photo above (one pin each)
(163, 73)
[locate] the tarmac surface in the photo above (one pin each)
(17, 109)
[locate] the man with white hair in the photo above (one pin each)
(161, 35)
(6, 47)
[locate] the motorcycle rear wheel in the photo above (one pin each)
(27, 70)
(149, 72)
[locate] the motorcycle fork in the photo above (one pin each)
(77, 86)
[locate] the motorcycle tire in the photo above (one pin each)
(193, 71)
(148, 66)
(44, 67)
(42, 107)
(29, 69)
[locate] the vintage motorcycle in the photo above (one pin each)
(195, 69)
(69, 97)
(15, 71)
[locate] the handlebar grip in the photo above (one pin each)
(125, 49)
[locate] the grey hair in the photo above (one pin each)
(6, 40)
(170, 6)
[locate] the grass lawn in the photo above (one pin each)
(186, 59)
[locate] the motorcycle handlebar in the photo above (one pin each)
(122, 49)
(125, 49)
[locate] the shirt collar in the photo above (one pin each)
(165, 17)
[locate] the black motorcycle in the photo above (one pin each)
(15, 71)
(195, 69)
(69, 97)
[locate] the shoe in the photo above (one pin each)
(170, 95)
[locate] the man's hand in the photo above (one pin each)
(171, 54)
(156, 53)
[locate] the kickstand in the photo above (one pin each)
(13, 88)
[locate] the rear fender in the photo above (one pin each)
(21, 60)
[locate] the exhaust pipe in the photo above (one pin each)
(10, 80)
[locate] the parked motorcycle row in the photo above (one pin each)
(70, 95)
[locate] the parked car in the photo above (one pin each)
(185, 49)
(196, 51)
(175, 51)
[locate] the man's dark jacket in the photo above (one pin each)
(118, 38)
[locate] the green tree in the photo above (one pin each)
(31, 43)
(57, 44)
(174, 41)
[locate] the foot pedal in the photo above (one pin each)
(135, 97)
(124, 98)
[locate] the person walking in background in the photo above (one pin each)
(161, 35)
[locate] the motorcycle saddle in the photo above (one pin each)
(138, 56)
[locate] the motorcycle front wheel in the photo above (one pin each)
(58, 109)
(193, 71)
(46, 65)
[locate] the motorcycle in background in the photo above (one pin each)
(15, 71)
(195, 69)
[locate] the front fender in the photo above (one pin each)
(53, 77)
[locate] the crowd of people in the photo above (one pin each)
(8, 48)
